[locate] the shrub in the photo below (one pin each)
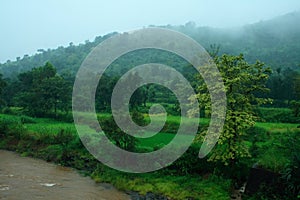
(291, 173)
(256, 134)
(52, 153)
(12, 110)
(115, 134)
(283, 115)
(189, 163)
(7, 110)
(27, 120)
(64, 137)
(273, 159)
(295, 106)
(9, 126)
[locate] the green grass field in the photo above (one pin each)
(276, 127)
(271, 141)
(45, 125)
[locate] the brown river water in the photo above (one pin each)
(23, 178)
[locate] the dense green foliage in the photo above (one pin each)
(42, 90)
(39, 86)
(242, 81)
(3, 84)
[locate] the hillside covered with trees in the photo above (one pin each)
(275, 42)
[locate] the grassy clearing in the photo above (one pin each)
(51, 125)
(50, 128)
(268, 126)
(276, 127)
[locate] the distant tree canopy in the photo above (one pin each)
(284, 85)
(265, 41)
(43, 91)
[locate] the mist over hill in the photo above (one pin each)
(275, 42)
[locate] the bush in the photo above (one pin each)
(12, 110)
(27, 120)
(295, 106)
(52, 153)
(9, 126)
(64, 137)
(273, 159)
(291, 173)
(256, 134)
(283, 115)
(189, 163)
(7, 110)
(280, 150)
(119, 137)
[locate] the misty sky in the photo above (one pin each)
(34, 24)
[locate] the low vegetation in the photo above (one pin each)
(189, 176)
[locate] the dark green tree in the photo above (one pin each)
(3, 84)
(118, 136)
(43, 91)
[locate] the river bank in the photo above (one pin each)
(30, 178)
(57, 142)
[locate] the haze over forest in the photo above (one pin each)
(32, 25)
(275, 42)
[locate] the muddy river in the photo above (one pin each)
(23, 178)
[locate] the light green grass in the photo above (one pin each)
(177, 119)
(276, 127)
(50, 128)
(158, 140)
(175, 187)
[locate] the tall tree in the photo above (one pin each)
(297, 86)
(295, 104)
(242, 81)
(3, 84)
(43, 91)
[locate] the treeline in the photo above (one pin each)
(39, 92)
(44, 92)
(275, 42)
(284, 85)
(66, 59)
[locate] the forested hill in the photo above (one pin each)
(67, 60)
(275, 42)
